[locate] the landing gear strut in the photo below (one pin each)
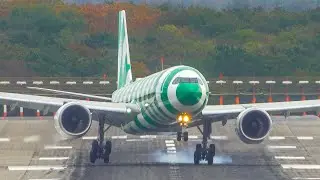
(99, 149)
(203, 152)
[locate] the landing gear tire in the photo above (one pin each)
(108, 147)
(99, 149)
(203, 152)
(107, 151)
(210, 154)
(197, 154)
(185, 136)
(212, 148)
(94, 151)
(106, 158)
(179, 134)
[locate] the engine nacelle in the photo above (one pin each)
(72, 120)
(253, 125)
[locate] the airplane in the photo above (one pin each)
(172, 100)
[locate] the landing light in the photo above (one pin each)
(183, 119)
(186, 118)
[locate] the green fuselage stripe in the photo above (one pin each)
(136, 120)
(164, 94)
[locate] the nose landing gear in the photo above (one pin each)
(99, 149)
(203, 152)
(183, 119)
(184, 135)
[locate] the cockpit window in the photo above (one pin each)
(186, 80)
(176, 81)
(193, 80)
(200, 82)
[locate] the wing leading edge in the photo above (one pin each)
(72, 93)
(52, 104)
(293, 106)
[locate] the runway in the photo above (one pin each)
(31, 149)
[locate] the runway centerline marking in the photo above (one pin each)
(169, 141)
(35, 168)
(171, 148)
(170, 145)
(53, 158)
(300, 166)
(57, 147)
(290, 157)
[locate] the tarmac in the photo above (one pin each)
(30, 149)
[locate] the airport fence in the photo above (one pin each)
(226, 90)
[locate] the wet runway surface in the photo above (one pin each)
(31, 149)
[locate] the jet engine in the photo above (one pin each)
(253, 125)
(72, 120)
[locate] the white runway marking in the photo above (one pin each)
(170, 145)
(305, 137)
(136, 140)
(289, 157)
(276, 137)
(282, 147)
(171, 148)
(34, 138)
(35, 168)
(219, 137)
(306, 178)
(148, 137)
(47, 179)
(171, 151)
(119, 137)
(53, 158)
(300, 166)
(89, 137)
(4, 139)
(169, 141)
(57, 147)
(193, 137)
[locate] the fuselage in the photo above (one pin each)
(162, 96)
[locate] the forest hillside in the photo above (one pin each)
(63, 39)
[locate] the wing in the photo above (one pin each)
(72, 93)
(52, 104)
(212, 111)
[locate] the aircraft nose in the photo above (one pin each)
(188, 93)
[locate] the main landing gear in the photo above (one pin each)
(99, 149)
(203, 152)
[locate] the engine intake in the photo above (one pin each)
(72, 120)
(253, 125)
